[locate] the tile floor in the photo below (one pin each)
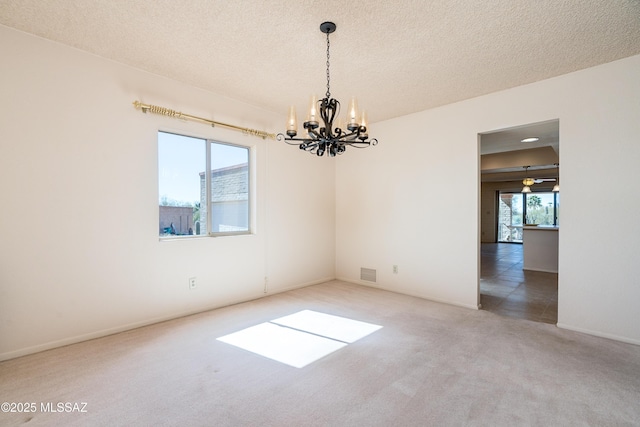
(508, 290)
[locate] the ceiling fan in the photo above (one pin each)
(531, 181)
(528, 182)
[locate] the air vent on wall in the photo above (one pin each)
(368, 274)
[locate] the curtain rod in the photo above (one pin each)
(172, 113)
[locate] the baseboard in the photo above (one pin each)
(123, 328)
(104, 332)
(598, 334)
(412, 294)
(302, 285)
(86, 337)
(541, 270)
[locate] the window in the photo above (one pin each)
(189, 203)
(542, 208)
(510, 211)
(518, 209)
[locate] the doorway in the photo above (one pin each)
(504, 287)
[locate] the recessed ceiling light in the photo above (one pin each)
(532, 139)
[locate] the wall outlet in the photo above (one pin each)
(395, 269)
(192, 282)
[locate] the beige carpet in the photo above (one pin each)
(429, 364)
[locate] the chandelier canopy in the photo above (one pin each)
(327, 138)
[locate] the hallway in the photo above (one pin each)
(508, 290)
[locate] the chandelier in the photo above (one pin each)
(327, 138)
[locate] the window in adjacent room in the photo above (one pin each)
(517, 209)
(189, 203)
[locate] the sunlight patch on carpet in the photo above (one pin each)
(300, 338)
(327, 325)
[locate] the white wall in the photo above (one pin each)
(412, 201)
(79, 250)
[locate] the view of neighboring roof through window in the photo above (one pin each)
(190, 204)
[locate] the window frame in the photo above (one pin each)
(208, 189)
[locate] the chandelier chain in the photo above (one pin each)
(328, 79)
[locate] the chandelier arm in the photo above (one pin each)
(315, 141)
(350, 135)
(314, 135)
(358, 144)
(366, 144)
(319, 140)
(282, 137)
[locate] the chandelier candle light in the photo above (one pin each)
(326, 138)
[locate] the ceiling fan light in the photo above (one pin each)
(526, 189)
(556, 188)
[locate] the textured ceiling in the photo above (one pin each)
(397, 57)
